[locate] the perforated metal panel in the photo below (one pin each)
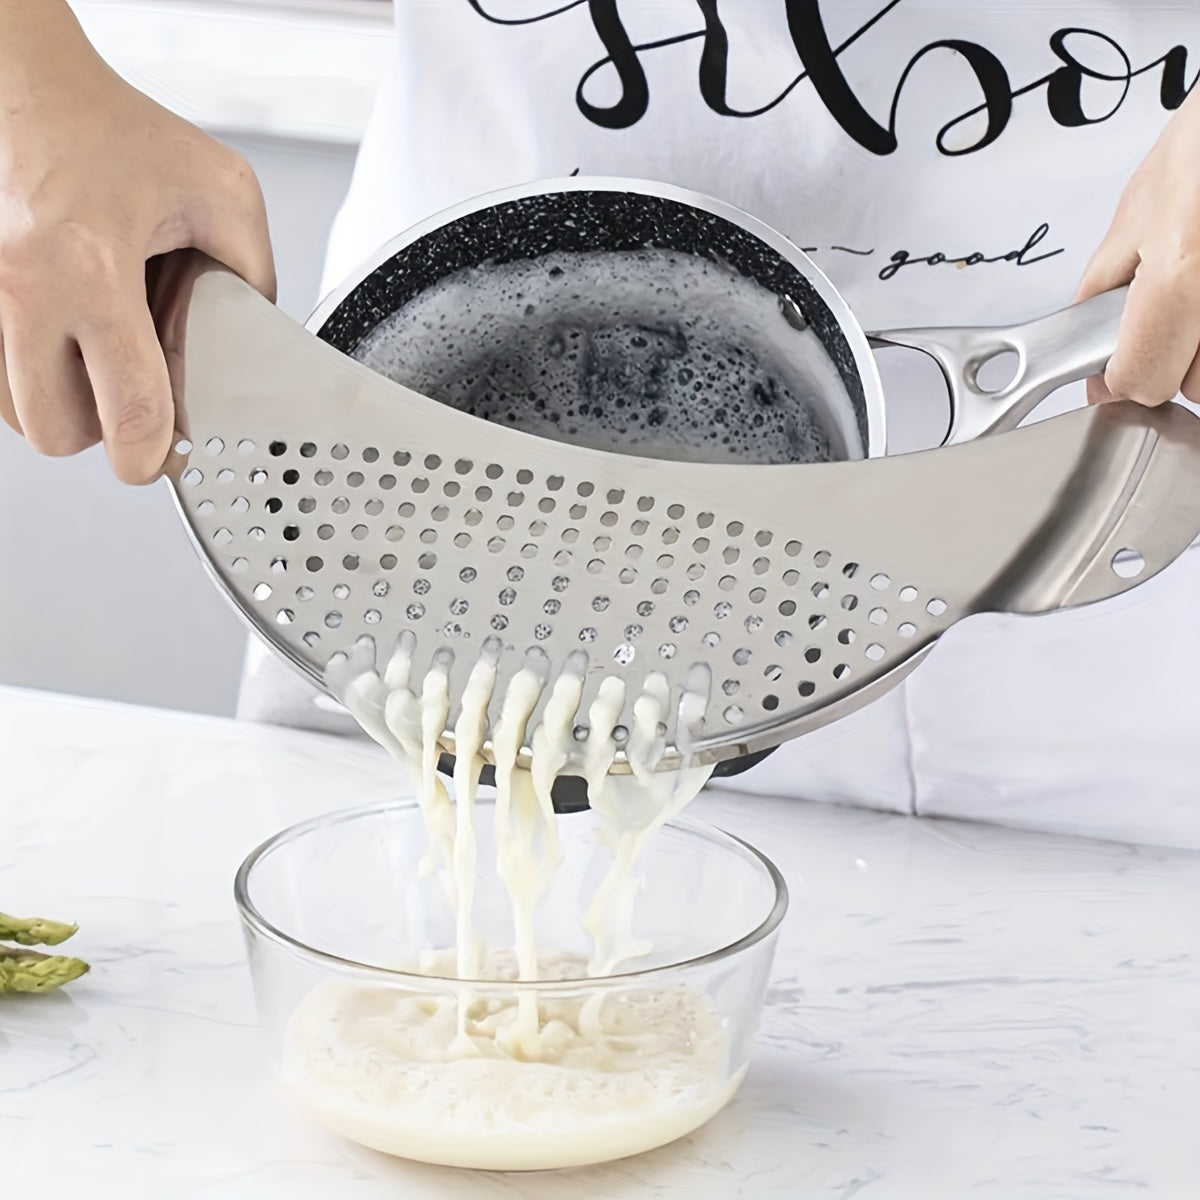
(331, 504)
(332, 541)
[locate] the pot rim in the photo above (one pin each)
(852, 330)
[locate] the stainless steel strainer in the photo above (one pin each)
(332, 505)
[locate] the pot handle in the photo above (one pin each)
(1067, 345)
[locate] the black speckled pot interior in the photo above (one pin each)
(585, 221)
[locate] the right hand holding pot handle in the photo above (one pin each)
(1153, 244)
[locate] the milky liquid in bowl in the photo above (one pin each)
(352, 956)
(618, 1074)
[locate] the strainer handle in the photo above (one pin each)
(1060, 348)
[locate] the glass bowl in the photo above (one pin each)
(350, 942)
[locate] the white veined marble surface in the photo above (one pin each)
(958, 1011)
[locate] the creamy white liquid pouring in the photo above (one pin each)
(631, 807)
(476, 1077)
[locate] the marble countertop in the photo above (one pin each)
(957, 1011)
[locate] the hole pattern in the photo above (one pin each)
(474, 548)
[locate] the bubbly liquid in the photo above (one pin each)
(614, 1075)
(471, 1078)
(644, 352)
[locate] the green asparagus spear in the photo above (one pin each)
(29, 971)
(33, 931)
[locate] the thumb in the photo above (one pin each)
(1114, 263)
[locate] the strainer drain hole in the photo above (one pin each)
(1128, 563)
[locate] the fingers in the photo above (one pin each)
(1113, 264)
(1097, 390)
(133, 400)
(50, 400)
(1159, 334)
(72, 379)
(93, 369)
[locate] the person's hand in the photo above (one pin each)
(95, 180)
(1154, 240)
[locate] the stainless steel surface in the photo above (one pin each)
(332, 505)
(1060, 348)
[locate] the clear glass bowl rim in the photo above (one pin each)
(253, 920)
